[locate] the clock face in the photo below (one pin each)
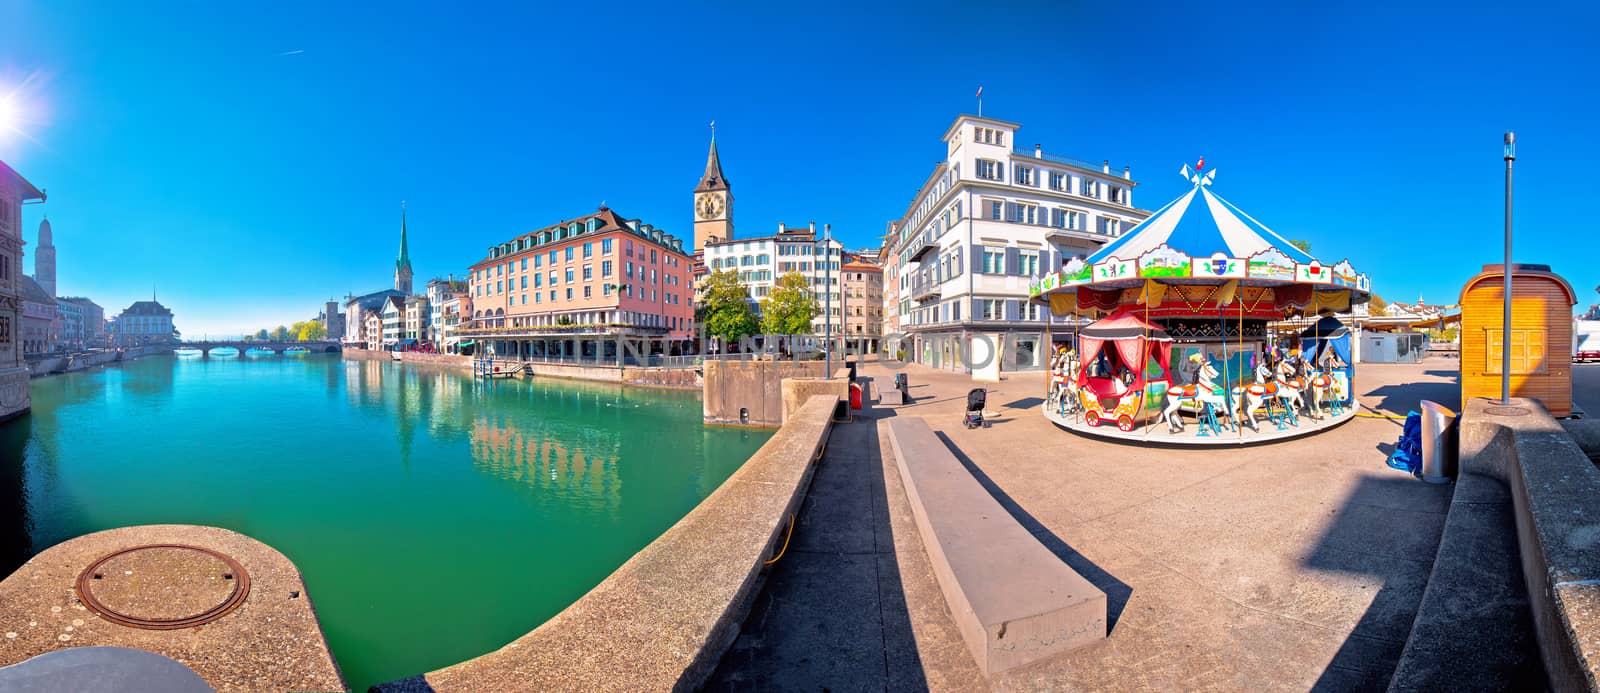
(709, 206)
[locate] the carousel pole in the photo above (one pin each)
(1238, 295)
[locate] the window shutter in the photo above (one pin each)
(977, 259)
(1011, 309)
(1013, 262)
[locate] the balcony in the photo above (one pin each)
(921, 247)
(923, 292)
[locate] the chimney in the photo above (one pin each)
(1105, 166)
(1038, 151)
(780, 227)
(813, 228)
(1127, 173)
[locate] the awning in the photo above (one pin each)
(467, 343)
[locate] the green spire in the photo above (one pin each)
(404, 261)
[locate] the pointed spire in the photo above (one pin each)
(713, 180)
(404, 261)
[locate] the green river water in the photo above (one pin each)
(434, 518)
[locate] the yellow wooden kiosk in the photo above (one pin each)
(1541, 336)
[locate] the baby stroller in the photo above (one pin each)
(975, 401)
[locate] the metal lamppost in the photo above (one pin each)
(1505, 329)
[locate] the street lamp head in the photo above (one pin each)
(1511, 146)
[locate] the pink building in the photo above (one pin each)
(579, 289)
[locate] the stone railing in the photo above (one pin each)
(1527, 496)
(663, 620)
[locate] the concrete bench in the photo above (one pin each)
(1014, 601)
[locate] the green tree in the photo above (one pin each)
(725, 307)
(1377, 305)
(280, 333)
(1305, 246)
(263, 335)
(309, 331)
(790, 307)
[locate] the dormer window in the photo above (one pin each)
(594, 224)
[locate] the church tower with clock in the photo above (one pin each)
(713, 203)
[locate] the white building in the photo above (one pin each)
(394, 321)
(440, 292)
(761, 261)
(987, 220)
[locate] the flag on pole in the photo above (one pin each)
(980, 92)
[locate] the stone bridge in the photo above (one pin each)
(276, 347)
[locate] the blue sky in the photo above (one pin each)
(248, 160)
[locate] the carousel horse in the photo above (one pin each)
(1202, 392)
(1291, 383)
(1249, 398)
(1064, 391)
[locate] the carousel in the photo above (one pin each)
(1179, 350)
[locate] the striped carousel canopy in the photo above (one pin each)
(1199, 224)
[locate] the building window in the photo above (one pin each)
(524, 282)
(1114, 192)
(536, 280)
(499, 287)
(994, 260)
(554, 257)
(605, 289)
(990, 309)
(1066, 219)
(1023, 175)
(1058, 181)
(588, 272)
(569, 274)
(996, 208)
(569, 253)
(588, 249)
(536, 261)
(1028, 263)
(1089, 188)
(1107, 226)
(586, 291)
(524, 264)
(605, 268)
(988, 170)
(1020, 213)
(605, 246)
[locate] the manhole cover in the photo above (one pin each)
(163, 586)
(1506, 411)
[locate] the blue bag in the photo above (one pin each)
(1407, 455)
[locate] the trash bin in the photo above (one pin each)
(855, 395)
(1439, 443)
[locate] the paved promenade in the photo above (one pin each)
(1290, 566)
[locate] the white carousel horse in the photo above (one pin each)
(1249, 398)
(1064, 391)
(1290, 386)
(1202, 392)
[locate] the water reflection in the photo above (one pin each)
(16, 526)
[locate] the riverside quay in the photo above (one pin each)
(416, 356)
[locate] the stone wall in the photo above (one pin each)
(664, 619)
(1527, 494)
(751, 392)
(797, 391)
(676, 378)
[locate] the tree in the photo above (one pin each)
(725, 307)
(1377, 306)
(790, 307)
(280, 333)
(309, 331)
(263, 335)
(1304, 246)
